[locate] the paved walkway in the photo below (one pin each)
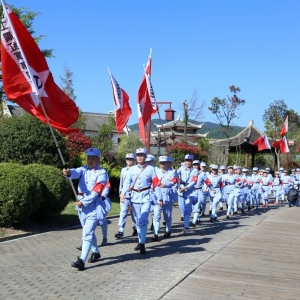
(254, 256)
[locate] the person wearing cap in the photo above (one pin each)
(215, 190)
(281, 171)
(167, 179)
(92, 203)
(125, 205)
(247, 188)
(222, 173)
(205, 190)
(201, 180)
(255, 189)
(186, 197)
(238, 191)
(265, 185)
(140, 181)
(286, 183)
(277, 187)
(229, 180)
(293, 174)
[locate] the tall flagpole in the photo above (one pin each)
(35, 90)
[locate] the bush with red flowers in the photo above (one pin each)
(179, 150)
(76, 144)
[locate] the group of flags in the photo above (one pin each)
(146, 102)
(28, 82)
(282, 144)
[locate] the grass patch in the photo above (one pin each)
(69, 216)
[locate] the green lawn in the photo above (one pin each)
(69, 216)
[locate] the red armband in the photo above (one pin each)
(107, 185)
(173, 179)
(155, 182)
(207, 182)
(238, 180)
(260, 180)
(98, 188)
(195, 178)
(270, 183)
(221, 184)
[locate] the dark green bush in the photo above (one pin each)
(26, 140)
(20, 194)
(56, 190)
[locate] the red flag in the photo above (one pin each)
(26, 76)
(285, 127)
(121, 104)
(146, 100)
(282, 145)
(262, 143)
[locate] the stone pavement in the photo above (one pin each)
(39, 267)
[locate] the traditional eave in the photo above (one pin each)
(178, 123)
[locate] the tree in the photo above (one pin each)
(103, 140)
(27, 17)
(128, 144)
(192, 110)
(226, 110)
(67, 86)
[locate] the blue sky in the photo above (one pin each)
(203, 45)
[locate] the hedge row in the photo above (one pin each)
(31, 192)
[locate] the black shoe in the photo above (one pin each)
(193, 225)
(142, 250)
(243, 211)
(79, 264)
(134, 233)
(164, 223)
(235, 212)
(104, 242)
(79, 247)
(221, 208)
(138, 247)
(215, 218)
(198, 222)
(182, 219)
(249, 208)
(94, 257)
(151, 227)
(119, 236)
(203, 215)
(167, 234)
(211, 220)
(210, 211)
(155, 238)
(227, 217)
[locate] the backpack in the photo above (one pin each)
(292, 195)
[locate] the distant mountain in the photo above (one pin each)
(215, 131)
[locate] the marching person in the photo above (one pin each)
(286, 183)
(139, 181)
(186, 197)
(168, 179)
(205, 189)
(125, 206)
(277, 187)
(201, 180)
(222, 173)
(247, 188)
(92, 204)
(215, 191)
(238, 190)
(229, 181)
(256, 192)
(265, 185)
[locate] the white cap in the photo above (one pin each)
(163, 158)
(141, 151)
(150, 157)
(203, 164)
(196, 162)
(130, 155)
(214, 167)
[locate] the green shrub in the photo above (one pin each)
(56, 190)
(20, 194)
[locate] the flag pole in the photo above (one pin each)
(157, 109)
(35, 90)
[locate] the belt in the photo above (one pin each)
(265, 185)
(141, 190)
(199, 188)
(80, 194)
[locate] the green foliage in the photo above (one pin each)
(27, 140)
(67, 83)
(204, 145)
(103, 140)
(112, 167)
(56, 190)
(20, 194)
(128, 145)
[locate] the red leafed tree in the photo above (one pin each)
(179, 150)
(76, 144)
